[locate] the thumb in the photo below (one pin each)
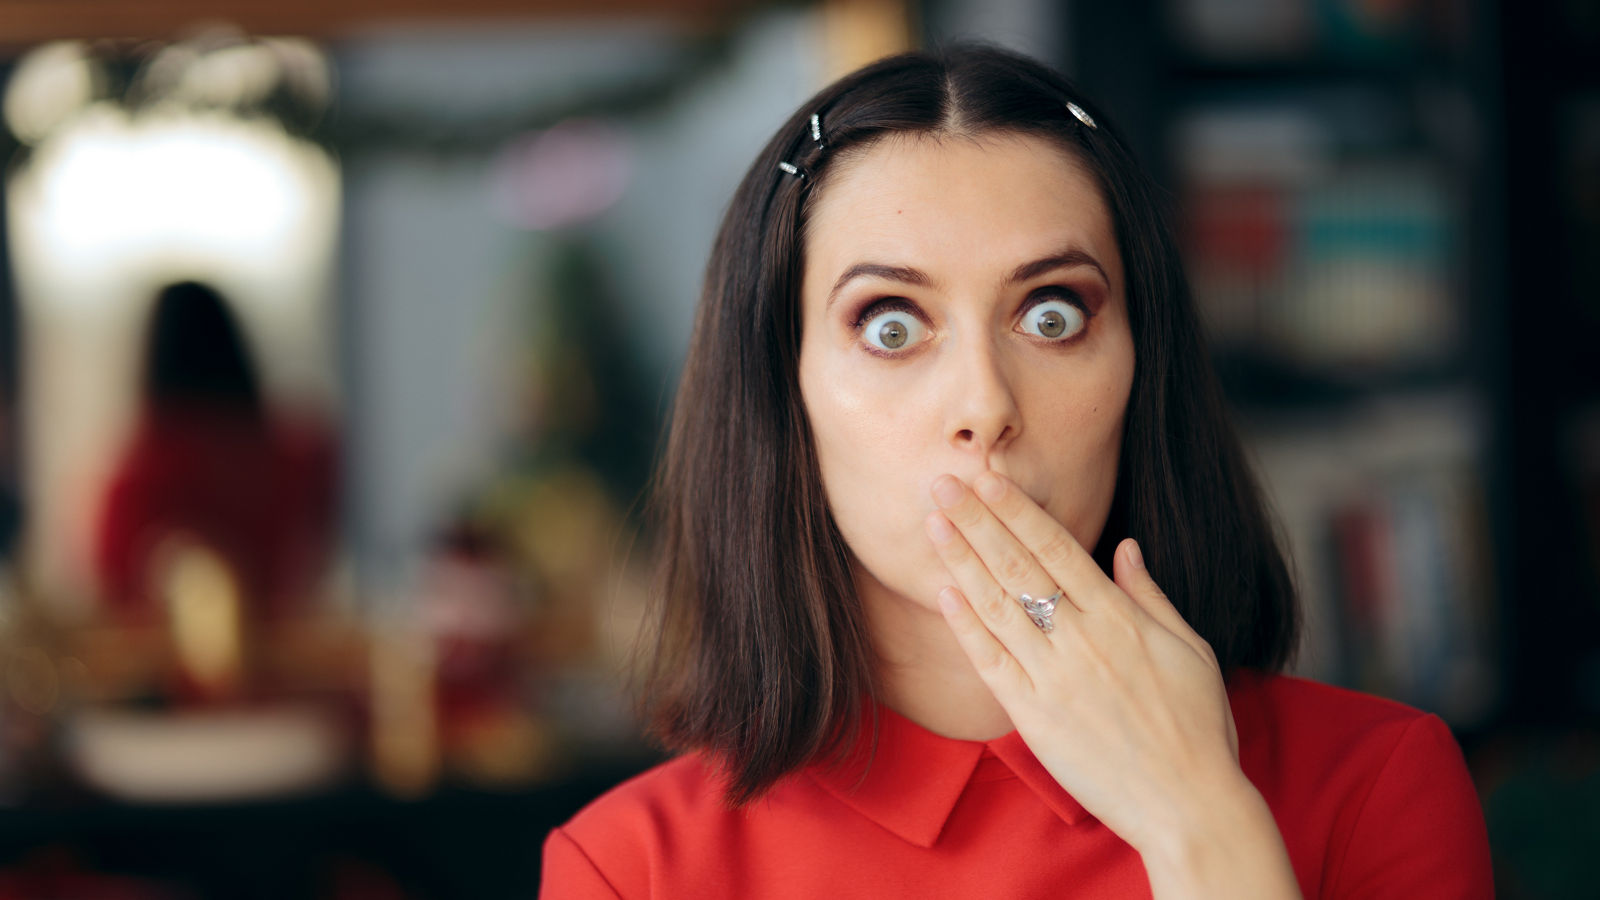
(1135, 580)
(1129, 573)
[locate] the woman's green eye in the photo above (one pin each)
(892, 334)
(892, 330)
(1054, 319)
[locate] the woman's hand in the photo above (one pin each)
(1123, 703)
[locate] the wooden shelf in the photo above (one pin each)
(24, 23)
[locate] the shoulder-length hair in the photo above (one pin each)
(761, 656)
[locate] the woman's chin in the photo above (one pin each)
(903, 587)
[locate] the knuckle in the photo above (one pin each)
(953, 548)
(995, 603)
(1014, 568)
(1058, 549)
(956, 552)
(992, 664)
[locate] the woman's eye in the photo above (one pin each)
(1053, 319)
(892, 330)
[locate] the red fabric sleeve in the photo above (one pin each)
(569, 874)
(1420, 832)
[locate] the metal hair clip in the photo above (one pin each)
(816, 135)
(1080, 115)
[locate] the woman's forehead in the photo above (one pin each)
(958, 202)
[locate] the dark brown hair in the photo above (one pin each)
(196, 353)
(761, 655)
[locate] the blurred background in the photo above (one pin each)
(336, 337)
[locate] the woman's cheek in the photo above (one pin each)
(874, 432)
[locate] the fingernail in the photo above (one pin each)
(940, 529)
(947, 490)
(1134, 556)
(948, 600)
(989, 487)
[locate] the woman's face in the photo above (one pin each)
(963, 309)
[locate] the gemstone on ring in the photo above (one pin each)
(1040, 609)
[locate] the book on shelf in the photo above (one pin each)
(1303, 249)
(1386, 524)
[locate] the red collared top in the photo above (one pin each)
(1373, 799)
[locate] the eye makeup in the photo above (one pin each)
(894, 334)
(881, 305)
(874, 308)
(1058, 294)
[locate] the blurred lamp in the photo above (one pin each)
(49, 86)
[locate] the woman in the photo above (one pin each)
(945, 446)
(210, 468)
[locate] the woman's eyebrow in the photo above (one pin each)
(905, 274)
(1068, 258)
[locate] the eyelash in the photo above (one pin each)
(880, 306)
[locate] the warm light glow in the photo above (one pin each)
(112, 204)
(114, 189)
(857, 32)
(204, 610)
(48, 87)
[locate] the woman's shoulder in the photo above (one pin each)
(685, 788)
(617, 844)
(1371, 793)
(1304, 729)
(1301, 704)
(1299, 737)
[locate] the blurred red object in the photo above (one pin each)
(258, 495)
(219, 507)
(54, 873)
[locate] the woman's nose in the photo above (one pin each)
(983, 413)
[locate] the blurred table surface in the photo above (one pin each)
(454, 842)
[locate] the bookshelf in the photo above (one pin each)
(1551, 132)
(1375, 199)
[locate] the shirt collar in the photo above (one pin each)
(910, 781)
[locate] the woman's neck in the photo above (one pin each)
(922, 672)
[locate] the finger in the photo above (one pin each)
(994, 664)
(1011, 564)
(1063, 559)
(1137, 582)
(1000, 613)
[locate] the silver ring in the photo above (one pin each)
(1040, 609)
